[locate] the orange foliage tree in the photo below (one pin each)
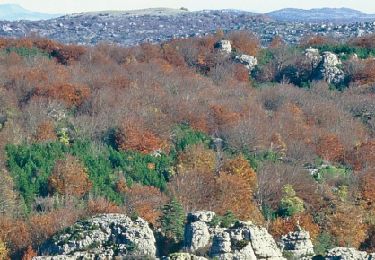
(70, 94)
(29, 254)
(15, 234)
(132, 136)
(235, 195)
(69, 177)
(146, 201)
(347, 225)
(282, 226)
(245, 42)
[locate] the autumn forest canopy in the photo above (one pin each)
(87, 130)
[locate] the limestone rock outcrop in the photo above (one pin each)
(326, 66)
(101, 237)
(197, 234)
(313, 56)
(329, 68)
(298, 244)
(347, 253)
(244, 240)
(225, 46)
(248, 61)
(184, 256)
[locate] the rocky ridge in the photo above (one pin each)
(116, 236)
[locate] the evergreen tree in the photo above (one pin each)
(173, 220)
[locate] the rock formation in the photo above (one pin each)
(116, 236)
(297, 244)
(248, 61)
(329, 68)
(225, 46)
(242, 241)
(197, 233)
(313, 56)
(103, 236)
(346, 253)
(326, 66)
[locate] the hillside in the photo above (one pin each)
(282, 137)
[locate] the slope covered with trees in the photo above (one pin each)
(159, 130)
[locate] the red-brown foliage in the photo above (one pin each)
(71, 94)
(245, 42)
(362, 156)
(29, 254)
(132, 136)
(100, 206)
(146, 201)
(330, 148)
(43, 226)
(45, 132)
(282, 226)
(15, 233)
(69, 177)
(235, 194)
(367, 187)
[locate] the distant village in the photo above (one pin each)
(129, 28)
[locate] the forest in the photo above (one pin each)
(141, 130)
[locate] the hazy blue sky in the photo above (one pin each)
(67, 6)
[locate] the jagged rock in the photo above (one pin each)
(263, 244)
(244, 241)
(196, 235)
(221, 243)
(346, 253)
(297, 243)
(225, 46)
(103, 236)
(205, 216)
(329, 70)
(313, 56)
(185, 256)
(248, 61)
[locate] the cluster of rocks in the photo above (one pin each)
(326, 66)
(116, 236)
(346, 253)
(102, 237)
(242, 241)
(225, 47)
(298, 244)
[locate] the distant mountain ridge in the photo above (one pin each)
(14, 12)
(319, 15)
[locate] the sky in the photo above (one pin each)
(75, 6)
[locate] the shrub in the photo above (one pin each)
(290, 204)
(323, 243)
(183, 136)
(3, 250)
